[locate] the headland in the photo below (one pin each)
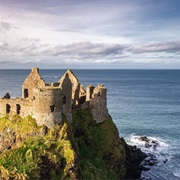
(59, 130)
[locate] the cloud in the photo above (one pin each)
(3, 46)
(5, 26)
(33, 50)
(88, 48)
(89, 32)
(34, 47)
(168, 47)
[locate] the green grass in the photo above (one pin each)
(81, 150)
(23, 126)
(100, 147)
(52, 153)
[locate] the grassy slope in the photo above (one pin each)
(82, 150)
(101, 154)
(38, 157)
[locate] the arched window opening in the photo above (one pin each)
(26, 93)
(8, 108)
(99, 93)
(64, 100)
(18, 108)
(52, 108)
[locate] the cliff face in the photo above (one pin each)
(83, 149)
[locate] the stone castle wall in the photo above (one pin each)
(66, 86)
(98, 102)
(47, 101)
(47, 106)
(34, 80)
(19, 106)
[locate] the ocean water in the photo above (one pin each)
(141, 103)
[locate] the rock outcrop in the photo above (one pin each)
(83, 149)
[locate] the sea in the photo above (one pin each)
(142, 103)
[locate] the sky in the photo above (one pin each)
(90, 34)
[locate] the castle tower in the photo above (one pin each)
(34, 80)
(47, 106)
(98, 103)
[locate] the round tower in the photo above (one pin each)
(47, 106)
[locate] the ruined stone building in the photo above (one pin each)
(47, 101)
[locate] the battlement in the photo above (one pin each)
(47, 101)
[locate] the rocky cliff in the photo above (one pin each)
(83, 149)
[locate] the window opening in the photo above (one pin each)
(18, 108)
(26, 93)
(64, 100)
(52, 108)
(8, 107)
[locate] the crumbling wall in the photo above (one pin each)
(47, 101)
(20, 106)
(66, 86)
(98, 102)
(89, 92)
(75, 87)
(82, 95)
(34, 80)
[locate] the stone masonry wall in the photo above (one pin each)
(47, 106)
(34, 80)
(47, 101)
(66, 86)
(75, 87)
(98, 103)
(19, 106)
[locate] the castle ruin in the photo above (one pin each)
(46, 102)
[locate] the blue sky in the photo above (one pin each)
(90, 34)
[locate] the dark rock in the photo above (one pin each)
(144, 138)
(149, 143)
(7, 96)
(134, 157)
(165, 160)
(151, 160)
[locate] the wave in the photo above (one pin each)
(148, 143)
(162, 160)
(157, 150)
(155, 147)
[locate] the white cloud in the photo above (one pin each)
(88, 52)
(168, 47)
(87, 32)
(5, 27)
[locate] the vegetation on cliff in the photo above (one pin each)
(81, 150)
